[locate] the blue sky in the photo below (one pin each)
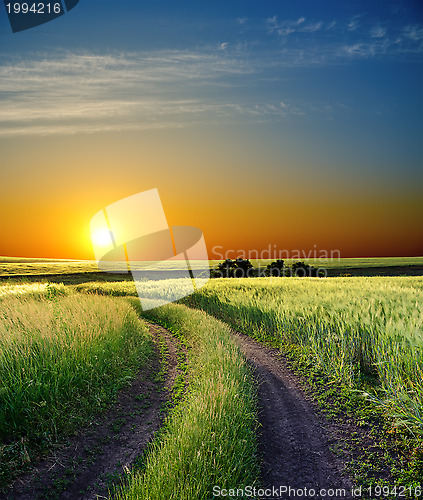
(321, 91)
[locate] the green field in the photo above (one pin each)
(13, 266)
(356, 262)
(356, 330)
(63, 357)
(353, 329)
(65, 350)
(56, 353)
(10, 266)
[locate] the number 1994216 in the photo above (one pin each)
(34, 8)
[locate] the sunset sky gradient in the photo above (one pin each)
(288, 123)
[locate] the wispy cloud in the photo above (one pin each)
(68, 93)
(318, 42)
(280, 109)
(414, 33)
(311, 28)
(377, 32)
(288, 27)
(353, 25)
(65, 92)
(407, 42)
(359, 50)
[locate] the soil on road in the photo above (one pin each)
(295, 441)
(89, 463)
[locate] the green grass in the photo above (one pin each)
(10, 266)
(62, 357)
(353, 329)
(209, 439)
(360, 262)
(365, 332)
(361, 334)
(14, 266)
(31, 290)
(118, 289)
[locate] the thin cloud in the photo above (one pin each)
(66, 92)
(359, 50)
(352, 25)
(277, 109)
(284, 28)
(311, 28)
(70, 93)
(378, 44)
(414, 33)
(357, 37)
(354, 22)
(377, 32)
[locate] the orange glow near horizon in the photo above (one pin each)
(49, 215)
(298, 139)
(371, 228)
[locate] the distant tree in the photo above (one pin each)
(242, 269)
(276, 268)
(226, 269)
(239, 268)
(301, 269)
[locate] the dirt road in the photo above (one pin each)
(295, 441)
(86, 467)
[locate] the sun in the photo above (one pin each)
(102, 238)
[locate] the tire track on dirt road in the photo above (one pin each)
(84, 466)
(294, 440)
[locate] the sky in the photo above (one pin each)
(291, 124)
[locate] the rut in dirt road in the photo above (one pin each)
(294, 441)
(85, 467)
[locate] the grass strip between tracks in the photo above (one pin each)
(209, 439)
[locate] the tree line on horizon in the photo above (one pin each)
(242, 268)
